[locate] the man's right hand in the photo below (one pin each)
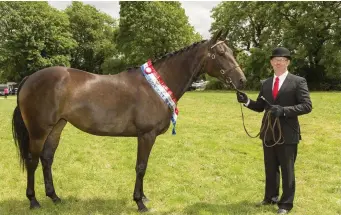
(242, 97)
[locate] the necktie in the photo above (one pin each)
(275, 89)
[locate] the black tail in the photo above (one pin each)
(19, 130)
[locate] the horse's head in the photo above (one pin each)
(221, 63)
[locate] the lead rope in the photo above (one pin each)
(267, 121)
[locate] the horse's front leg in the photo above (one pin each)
(145, 144)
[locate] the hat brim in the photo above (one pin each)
(288, 57)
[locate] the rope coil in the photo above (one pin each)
(267, 121)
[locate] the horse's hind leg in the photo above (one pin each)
(145, 144)
(36, 146)
(31, 166)
(47, 156)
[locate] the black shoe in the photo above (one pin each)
(282, 211)
(273, 201)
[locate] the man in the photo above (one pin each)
(286, 96)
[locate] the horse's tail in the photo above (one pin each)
(19, 130)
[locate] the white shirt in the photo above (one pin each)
(281, 80)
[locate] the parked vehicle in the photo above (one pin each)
(2, 89)
(198, 85)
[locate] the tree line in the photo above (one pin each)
(34, 35)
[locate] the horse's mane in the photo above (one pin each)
(171, 54)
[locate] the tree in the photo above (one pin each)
(94, 32)
(311, 30)
(33, 36)
(149, 29)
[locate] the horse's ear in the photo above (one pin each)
(216, 37)
(223, 36)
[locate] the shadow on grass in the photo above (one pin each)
(239, 208)
(76, 206)
(69, 205)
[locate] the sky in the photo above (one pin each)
(198, 12)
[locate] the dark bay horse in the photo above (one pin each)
(109, 105)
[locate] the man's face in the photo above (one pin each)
(280, 64)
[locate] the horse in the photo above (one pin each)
(124, 105)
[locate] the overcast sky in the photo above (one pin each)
(198, 12)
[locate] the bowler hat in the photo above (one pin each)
(281, 52)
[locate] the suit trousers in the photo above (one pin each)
(280, 158)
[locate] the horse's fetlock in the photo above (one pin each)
(137, 197)
(30, 194)
(51, 193)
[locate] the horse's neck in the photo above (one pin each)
(179, 71)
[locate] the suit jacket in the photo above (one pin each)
(294, 97)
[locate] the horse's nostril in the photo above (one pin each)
(242, 82)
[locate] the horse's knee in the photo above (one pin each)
(141, 169)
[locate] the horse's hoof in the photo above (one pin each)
(143, 210)
(35, 205)
(57, 200)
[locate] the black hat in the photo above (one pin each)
(281, 52)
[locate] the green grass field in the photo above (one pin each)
(210, 167)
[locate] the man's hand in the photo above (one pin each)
(242, 97)
(277, 110)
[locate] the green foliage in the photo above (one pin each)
(113, 66)
(248, 23)
(311, 30)
(214, 84)
(94, 32)
(34, 35)
(149, 29)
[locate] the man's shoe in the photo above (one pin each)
(282, 211)
(273, 201)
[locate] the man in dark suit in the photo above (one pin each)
(286, 96)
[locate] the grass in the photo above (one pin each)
(210, 167)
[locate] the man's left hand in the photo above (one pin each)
(277, 110)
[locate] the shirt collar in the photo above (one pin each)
(283, 76)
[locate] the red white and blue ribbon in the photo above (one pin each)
(161, 88)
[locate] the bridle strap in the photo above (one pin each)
(222, 71)
(217, 44)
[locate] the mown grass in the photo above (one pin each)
(209, 167)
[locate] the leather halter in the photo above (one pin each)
(222, 71)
